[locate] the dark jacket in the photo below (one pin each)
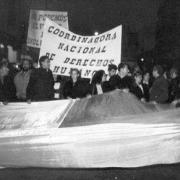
(7, 90)
(41, 85)
(174, 89)
(116, 82)
(75, 90)
(125, 82)
(137, 91)
(113, 82)
(159, 90)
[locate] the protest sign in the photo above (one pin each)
(67, 50)
(36, 24)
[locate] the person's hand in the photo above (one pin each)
(29, 101)
(174, 103)
(143, 100)
(88, 96)
(153, 102)
(125, 90)
(5, 103)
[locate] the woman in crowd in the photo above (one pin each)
(146, 85)
(97, 84)
(75, 88)
(137, 87)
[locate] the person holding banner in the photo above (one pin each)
(124, 80)
(75, 88)
(98, 83)
(113, 80)
(41, 83)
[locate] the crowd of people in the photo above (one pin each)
(37, 84)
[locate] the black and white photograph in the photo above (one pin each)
(89, 89)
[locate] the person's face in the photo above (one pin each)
(4, 71)
(26, 65)
(155, 73)
(147, 77)
(173, 75)
(74, 76)
(112, 72)
(104, 77)
(46, 64)
(126, 70)
(138, 79)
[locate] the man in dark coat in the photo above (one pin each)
(122, 80)
(41, 83)
(159, 89)
(112, 84)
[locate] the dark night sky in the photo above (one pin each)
(87, 16)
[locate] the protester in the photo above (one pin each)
(41, 83)
(146, 85)
(75, 87)
(159, 89)
(21, 80)
(174, 88)
(112, 69)
(113, 79)
(124, 80)
(97, 83)
(7, 90)
(137, 88)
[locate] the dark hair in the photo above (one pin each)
(137, 73)
(30, 62)
(74, 69)
(122, 65)
(174, 70)
(112, 67)
(97, 78)
(42, 59)
(3, 64)
(159, 69)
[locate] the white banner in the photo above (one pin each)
(44, 114)
(36, 24)
(67, 50)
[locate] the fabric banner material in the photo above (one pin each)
(35, 115)
(143, 137)
(67, 50)
(36, 24)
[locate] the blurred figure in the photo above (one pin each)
(6, 85)
(146, 85)
(124, 80)
(159, 89)
(137, 87)
(75, 88)
(97, 82)
(174, 88)
(41, 82)
(21, 80)
(112, 84)
(112, 69)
